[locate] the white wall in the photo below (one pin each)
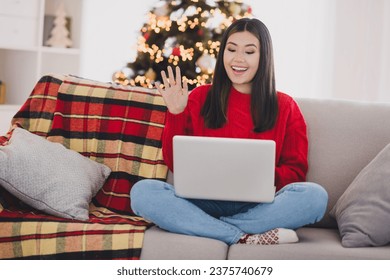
(323, 48)
(362, 43)
(303, 44)
(109, 35)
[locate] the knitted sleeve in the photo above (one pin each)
(174, 125)
(293, 165)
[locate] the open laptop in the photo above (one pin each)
(224, 168)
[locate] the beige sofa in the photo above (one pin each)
(344, 138)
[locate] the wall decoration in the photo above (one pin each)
(60, 34)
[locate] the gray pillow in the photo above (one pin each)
(363, 211)
(48, 176)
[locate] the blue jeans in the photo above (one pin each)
(295, 205)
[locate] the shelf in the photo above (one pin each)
(19, 48)
(24, 58)
(68, 51)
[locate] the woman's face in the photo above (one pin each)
(241, 59)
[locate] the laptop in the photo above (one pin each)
(224, 168)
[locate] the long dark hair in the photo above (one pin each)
(264, 104)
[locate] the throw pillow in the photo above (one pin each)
(48, 176)
(363, 211)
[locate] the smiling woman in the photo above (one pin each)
(241, 102)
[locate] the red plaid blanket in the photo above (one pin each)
(114, 125)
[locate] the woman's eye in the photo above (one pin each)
(250, 52)
(231, 50)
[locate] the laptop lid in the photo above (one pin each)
(224, 168)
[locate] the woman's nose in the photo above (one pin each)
(239, 57)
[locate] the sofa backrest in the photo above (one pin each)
(344, 136)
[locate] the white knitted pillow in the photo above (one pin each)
(48, 176)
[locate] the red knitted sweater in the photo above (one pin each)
(289, 132)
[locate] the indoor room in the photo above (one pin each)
(95, 94)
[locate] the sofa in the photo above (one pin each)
(120, 127)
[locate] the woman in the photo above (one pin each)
(242, 103)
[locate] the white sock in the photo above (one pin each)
(287, 236)
(274, 236)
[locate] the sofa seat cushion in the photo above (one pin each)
(160, 244)
(314, 244)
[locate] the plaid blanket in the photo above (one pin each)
(111, 124)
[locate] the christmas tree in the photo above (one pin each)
(184, 33)
(59, 35)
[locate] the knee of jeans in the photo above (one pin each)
(319, 199)
(140, 195)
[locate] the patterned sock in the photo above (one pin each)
(271, 237)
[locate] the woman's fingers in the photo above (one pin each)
(174, 91)
(171, 77)
(185, 87)
(158, 87)
(171, 82)
(178, 76)
(165, 79)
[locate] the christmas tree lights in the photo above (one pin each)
(184, 33)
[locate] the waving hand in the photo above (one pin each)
(174, 94)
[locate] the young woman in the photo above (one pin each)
(241, 102)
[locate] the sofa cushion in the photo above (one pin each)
(49, 177)
(344, 136)
(363, 211)
(314, 244)
(160, 244)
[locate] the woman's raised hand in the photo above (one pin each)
(174, 94)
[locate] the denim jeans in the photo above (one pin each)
(295, 205)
